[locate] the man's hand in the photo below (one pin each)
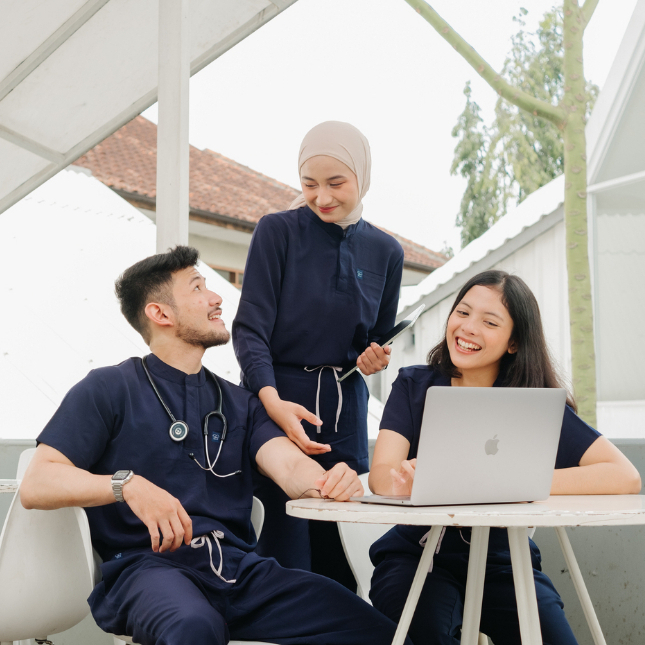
(374, 359)
(340, 483)
(403, 478)
(288, 416)
(160, 512)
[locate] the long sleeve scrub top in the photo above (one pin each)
(317, 295)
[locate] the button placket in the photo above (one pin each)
(344, 262)
(191, 414)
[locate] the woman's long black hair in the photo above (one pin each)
(531, 365)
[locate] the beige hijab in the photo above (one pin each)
(346, 143)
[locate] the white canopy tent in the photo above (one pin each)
(63, 247)
(74, 71)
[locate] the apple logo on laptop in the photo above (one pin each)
(491, 446)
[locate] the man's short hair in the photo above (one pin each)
(150, 280)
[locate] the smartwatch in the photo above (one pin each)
(119, 480)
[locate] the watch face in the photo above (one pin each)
(120, 475)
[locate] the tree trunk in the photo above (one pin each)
(569, 116)
(583, 362)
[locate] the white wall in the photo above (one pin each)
(620, 323)
(217, 245)
(220, 253)
(410, 277)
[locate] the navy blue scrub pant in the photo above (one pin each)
(438, 616)
(296, 543)
(176, 599)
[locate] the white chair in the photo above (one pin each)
(357, 539)
(45, 570)
(48, 569)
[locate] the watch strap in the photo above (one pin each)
(118, 484)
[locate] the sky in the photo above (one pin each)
(378, 65)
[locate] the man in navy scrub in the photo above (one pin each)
(160, 450)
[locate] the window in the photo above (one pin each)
(232, 275)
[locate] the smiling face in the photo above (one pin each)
(197, 310)
(329, 187)
(478, 335)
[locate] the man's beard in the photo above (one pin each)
(202, 339)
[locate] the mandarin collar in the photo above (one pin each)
(333, 230)
(442, 379)
(169, 373)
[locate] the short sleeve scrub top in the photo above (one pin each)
(397, 553)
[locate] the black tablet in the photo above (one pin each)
(392, 335)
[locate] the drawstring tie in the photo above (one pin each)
(198, 542)
(336, 371)
(423, 541)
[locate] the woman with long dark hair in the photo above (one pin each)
(493, 338)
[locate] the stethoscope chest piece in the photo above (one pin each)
(178, 430)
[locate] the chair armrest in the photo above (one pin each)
(9, 485)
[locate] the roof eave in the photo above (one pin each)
(616, 92)
(217, 219)
(494, 256)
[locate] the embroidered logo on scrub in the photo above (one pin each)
(215, 436)
(359, 274)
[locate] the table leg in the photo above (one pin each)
(417, 586)
(527, 609)
(581, 588)
(475, 585)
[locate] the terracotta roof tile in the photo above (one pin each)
(127, 161)
(417, 254)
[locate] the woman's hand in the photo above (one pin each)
(402, 479)
(374, 359)
(288, 416)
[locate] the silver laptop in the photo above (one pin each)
(483, 445)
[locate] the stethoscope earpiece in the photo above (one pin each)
(179, 429)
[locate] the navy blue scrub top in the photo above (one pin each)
(403, 414)
(314, 294)
(112, 420)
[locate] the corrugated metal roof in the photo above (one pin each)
(534, 208)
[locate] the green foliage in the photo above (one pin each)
(518, 152)
(447, 250)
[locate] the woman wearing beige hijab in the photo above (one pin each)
(321, 285)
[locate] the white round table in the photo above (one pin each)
(558, 512)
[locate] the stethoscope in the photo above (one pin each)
(179, 429)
